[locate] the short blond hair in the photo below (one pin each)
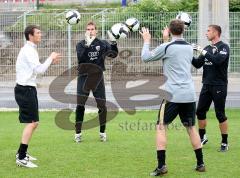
(92, 23)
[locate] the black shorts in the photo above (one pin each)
(215, 93)
(169, 111)
(26, 98)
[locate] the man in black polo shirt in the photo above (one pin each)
(214, 58)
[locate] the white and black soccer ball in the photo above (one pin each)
(185, 17)
(73, 17)
(119, 30)
(133, 24)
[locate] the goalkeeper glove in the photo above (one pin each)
(199, 49)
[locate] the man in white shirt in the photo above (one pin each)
(27, 68)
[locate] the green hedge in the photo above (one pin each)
(146, 6)
(234, 6)
(172, 6)
(163, 6)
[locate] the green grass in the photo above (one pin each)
(129, 151)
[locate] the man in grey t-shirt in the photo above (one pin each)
(177, 58)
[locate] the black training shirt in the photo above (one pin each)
(96, 52)
(215, 64)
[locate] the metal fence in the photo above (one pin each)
(60, 37)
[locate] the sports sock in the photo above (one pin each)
(78, 127)
(80, 109)
(161, 158)
(224, 138)
(102, 128)
(199, 156)
(202, 132)
(22, 151)
(102, 113)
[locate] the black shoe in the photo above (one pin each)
(200, 168)
(158, 172)
(223, 147)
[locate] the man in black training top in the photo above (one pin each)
(214, 58)
(91, 54)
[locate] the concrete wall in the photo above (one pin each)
(213, 12)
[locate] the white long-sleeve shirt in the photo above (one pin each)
(28, 65)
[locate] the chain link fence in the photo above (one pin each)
(60, 37)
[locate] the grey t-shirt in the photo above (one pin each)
(177, 58)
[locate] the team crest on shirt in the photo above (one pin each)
(224, 51)
(98, 48)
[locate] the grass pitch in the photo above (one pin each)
(129, 151)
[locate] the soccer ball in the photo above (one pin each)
(73, 17)
(185, 17)
(133, 24)
(119, 30)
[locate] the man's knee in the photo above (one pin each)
(102, 114)
(201, 115)
(190, 129)
(81, 99)
(80, 108)
(34, 125)
(221, 116)
(161, 136)
(101, 103)
(102, 109)
(188, 123)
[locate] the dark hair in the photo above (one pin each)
(217, 28)
(92, 23)
(30, 30)
(176, 27)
